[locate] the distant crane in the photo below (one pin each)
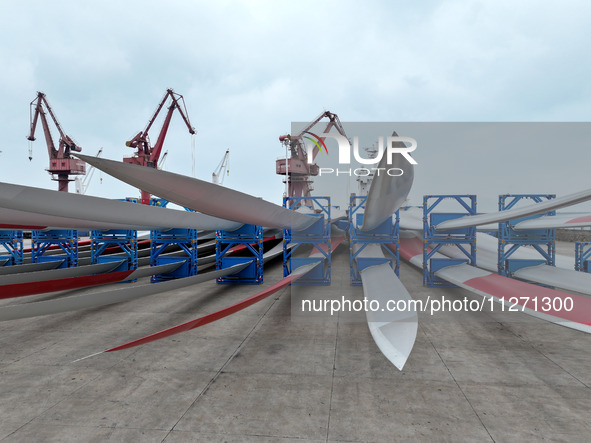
(61, 164)
(82, 185)
(222, 170)
(163, 161)
(296, 167)
(146, 154)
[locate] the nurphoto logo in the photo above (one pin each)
(394, 145)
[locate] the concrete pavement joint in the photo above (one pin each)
(548, 357)
(334, 364)
(52, 406)
(221, 370)
(460, 388)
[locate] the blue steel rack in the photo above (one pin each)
(67, 240)
(12, 242)
(385, 234)
(159, 202)
(542, 240)
(318, 235)
(125, 239)
(463, 238)
(186, 240)
(583, 256)
(153, 201)
(251, 237)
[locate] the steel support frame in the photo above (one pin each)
(153, 201)
(186, 240)
(510, 240)
(318, 236)
(66, 240)
(12, 242)
(463, 239)
(124, 239)
(249, 236)
(385, 234)
(583, 256)
(159, 202)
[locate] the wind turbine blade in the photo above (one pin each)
(555, 221)
(201, 321)
(387, 193)
(202, 196)
(512, 214)
(42, 203)
(104, 298)
(394, 332)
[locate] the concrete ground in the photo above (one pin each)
(261, 375)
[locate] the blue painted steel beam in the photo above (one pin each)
(583, 256)
(186, 240)
(12, 242)
(463, 239)
(387, 233)
(510, 240)
(249, 236)
(317, 235)
(66, 240)
(124, 239)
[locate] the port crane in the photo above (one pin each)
(163, 161)
(146, 154)
(222, 170)
(296, 167)
(61, 164)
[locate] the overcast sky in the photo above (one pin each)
(248, 69)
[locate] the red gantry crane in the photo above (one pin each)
(146, 154)
(61, 164)
(296, 167)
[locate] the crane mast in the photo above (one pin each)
(296, 168)
(61, 164)
(146, 154)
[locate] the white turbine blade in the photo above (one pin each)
(555, 221)
(203, 196)
(394, 332)
(521, 296)
(56, 274)
(560, 276)
(512, 214)
(42, 222)
(411, 219)
(109, 297)
(396, 336)
(30, 267)
(568, 279)
(102, 210)
(387, 193)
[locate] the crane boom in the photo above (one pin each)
(146, 154)
(61, 164)
(334, 122)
